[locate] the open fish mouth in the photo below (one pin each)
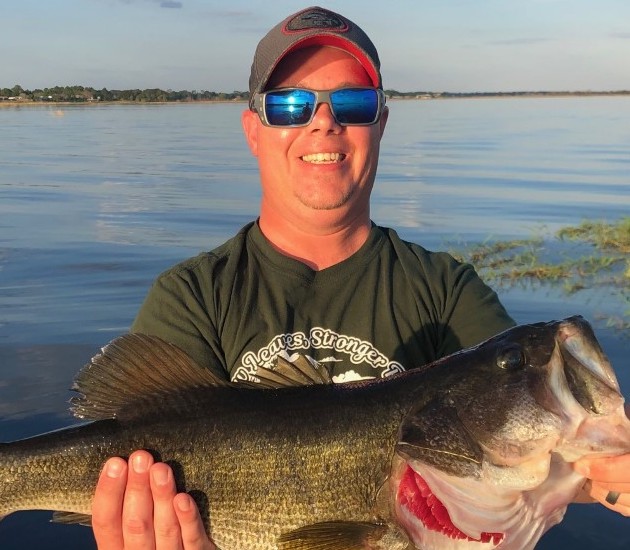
(588, 373)
(587, 395)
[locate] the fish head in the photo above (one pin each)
(485, 461)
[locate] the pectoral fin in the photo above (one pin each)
(334, 535)
(72, 518)
(436, 436)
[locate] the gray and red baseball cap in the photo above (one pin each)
(312, 27)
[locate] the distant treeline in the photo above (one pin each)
(542, 93)
(82, 94)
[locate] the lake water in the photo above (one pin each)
(96, 201)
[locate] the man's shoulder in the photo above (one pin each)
(414, 252)
(208, 261)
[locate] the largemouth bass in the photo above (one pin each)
(471, 452)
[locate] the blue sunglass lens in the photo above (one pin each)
(289, 107)
(355, 106)
(295, 107)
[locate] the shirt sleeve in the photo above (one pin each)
(471, 310)
(175, 310)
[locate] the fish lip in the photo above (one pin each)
(585, 370)
(577, 340)
(584, 394)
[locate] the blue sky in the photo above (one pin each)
(432, 45)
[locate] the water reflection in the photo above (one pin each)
(36, 380)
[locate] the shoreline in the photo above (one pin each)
(27, 103)
(419, 96)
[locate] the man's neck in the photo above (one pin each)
(318, 247)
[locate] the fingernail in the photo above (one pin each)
(114, 468)
(161, 476)
(140, 463)
(183, 503)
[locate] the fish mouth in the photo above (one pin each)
(588, 373)
(585, 394)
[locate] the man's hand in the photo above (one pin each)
(608, 480)
(136, 505)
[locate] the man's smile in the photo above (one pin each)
(323, 158)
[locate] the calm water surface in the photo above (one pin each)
(96, 201)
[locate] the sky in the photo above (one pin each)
(424, 45)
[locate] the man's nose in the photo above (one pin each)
(324, 119)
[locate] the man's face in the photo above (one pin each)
(323, 173)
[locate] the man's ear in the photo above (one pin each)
(383, 120)
(250, 122)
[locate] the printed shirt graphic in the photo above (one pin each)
(346, 357)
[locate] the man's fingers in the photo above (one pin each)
(137, 516)
(107, 505)
(136, 506)
(611, 470)
(615, 500)
(166, 524)
(192, 531)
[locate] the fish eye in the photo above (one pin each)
(511, 358)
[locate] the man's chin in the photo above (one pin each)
(319, 200)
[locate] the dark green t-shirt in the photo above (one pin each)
(391, 306)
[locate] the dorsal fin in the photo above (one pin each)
(133, 369)
(135, 372)
(300, 372)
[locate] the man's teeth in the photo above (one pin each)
(323, 157)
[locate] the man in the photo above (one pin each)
(313, 276)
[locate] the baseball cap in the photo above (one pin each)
(313, 26)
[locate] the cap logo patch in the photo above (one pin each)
(316, 19)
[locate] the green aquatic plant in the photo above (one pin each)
(592, 255)
(605, 236)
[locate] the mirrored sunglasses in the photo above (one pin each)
(296, 107)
